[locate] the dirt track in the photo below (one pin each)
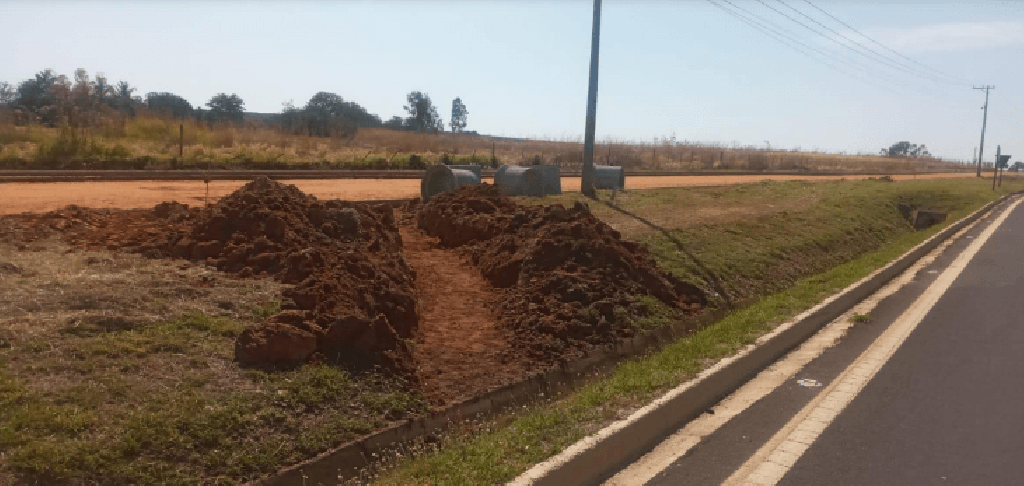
(39, 197)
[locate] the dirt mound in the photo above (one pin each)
(569, 279)
(353, 288)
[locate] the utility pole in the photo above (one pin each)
(995, 167)
(588, 142)
(981, 152)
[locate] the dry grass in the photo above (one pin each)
(153, 142)
(118, 369)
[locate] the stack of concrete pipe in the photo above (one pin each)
(533, 180)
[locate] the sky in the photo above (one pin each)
(668, 68)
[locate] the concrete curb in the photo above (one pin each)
(597, 457)
(85, 175)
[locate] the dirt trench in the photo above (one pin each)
(459, 349)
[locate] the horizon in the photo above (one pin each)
(684, 69)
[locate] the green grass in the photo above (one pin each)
(116, 402)
(499, 449)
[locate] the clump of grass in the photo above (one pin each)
(857, 318)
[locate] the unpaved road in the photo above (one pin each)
(46, 196)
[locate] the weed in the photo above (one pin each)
(860, 318)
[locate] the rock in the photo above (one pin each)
(274, 343)
(10, 269)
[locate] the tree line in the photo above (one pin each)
(54, 100)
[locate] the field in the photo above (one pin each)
(149, 142)
(120, 344)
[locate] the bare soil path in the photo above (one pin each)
(46, 196)
(460, 351)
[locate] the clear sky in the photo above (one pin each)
(682, 67)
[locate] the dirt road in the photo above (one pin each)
(46, 196)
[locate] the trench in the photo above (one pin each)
(460, 351)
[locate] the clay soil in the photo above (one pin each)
(39, 197)
(460, 351)
(459, 296)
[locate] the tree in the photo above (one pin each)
(906, 149)
(123, 99)
(34, 100)
(395, 123)
(103, 90)
(169, 104)
(328, 114)
(6, 93)
(226, 108)
(422, 113)
(458, 120)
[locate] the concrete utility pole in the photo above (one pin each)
(984, 121)
(588, 142)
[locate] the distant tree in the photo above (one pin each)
(395, 123)
(169, 104)
(422, 113)
(34, 100)
(907, 149)
(123, 99)
(458, 120)
(6, 92)
(226, 108)
(328, 114)
(103, 90)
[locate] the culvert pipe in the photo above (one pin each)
(609, 177)
(439, 179)
(476, 169)
(534, 180)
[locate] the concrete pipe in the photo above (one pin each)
(609, 177)
(534, 180)
(440, 179)
(476, 169)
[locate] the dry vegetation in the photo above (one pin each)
(151, 142)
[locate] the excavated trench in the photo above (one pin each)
(459, 295)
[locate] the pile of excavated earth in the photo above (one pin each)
(553, 282)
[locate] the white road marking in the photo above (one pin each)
(773, 460)
(679, 443)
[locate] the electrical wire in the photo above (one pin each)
(878, 57)
(844, 24)
(776, 34)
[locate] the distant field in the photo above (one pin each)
(145, 142)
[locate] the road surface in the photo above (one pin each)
(21, 197)
(929, 390)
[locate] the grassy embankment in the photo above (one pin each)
(814, 241)
(147, 142)
(132, 381)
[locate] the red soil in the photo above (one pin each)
(569, 281)
(460, 295)
(460, 351)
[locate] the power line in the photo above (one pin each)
(812, 29)
(760, 26)
(844, 24)
(880, 57)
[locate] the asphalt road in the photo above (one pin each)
(947, 407)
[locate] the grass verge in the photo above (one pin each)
(499, 449)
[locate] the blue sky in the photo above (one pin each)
(680, 67)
